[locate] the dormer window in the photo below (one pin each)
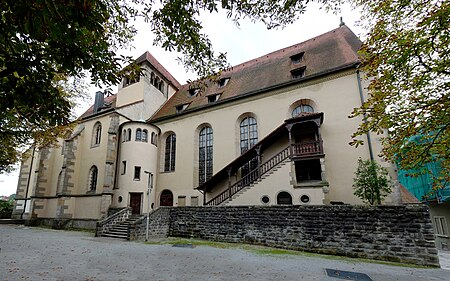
(223, 82)
(194, 92)
(298, 73)
(180, 108)
(213, 98)
(297, 58)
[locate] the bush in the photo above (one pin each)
(6, 209)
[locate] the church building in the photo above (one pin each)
(272, 130)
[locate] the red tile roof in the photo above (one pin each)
(326, 53)
(148, 57)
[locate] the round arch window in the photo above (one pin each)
(120, 199)
(284, 198)
(265, 199)
(302, 109)
(305, 199)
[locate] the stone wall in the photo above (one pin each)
(159, 223)
(392, 233)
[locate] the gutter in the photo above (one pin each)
(369, 142)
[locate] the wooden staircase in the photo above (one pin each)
(250, 179)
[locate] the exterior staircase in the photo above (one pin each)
(117, 225)
(251, 179)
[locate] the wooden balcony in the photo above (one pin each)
(307, 149)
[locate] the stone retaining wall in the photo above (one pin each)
(158, 225)
(392, 233)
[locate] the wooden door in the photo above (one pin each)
(135, 203)
(166, 198)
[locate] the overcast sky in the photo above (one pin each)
(241, 44)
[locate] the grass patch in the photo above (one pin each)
(268, 251)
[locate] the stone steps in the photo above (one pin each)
(120, 230)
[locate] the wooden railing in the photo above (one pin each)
(307, 148)
(105, 224)
(250, 177)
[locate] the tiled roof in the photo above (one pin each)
(406, 196)
(110, 102)
(325, 53)
(148, 57)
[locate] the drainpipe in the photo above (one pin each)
(369, 142)
(28, 183)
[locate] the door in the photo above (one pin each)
(135, 203)
(166, 198)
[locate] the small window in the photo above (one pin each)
(181, 201)
(440, 224)
(124, 167)
(120, 199)
(298, 58)
(265, 199)
(154, 138)
(137, 173)
(194, 200)
(284, 198)
(96, 134)
(223, 82)
(305, 199)
(213, 98)
(194, 92)
(298, 73)
(181, 108)
(138, 135)
(124, 136)
(144, 137)
(308, 170)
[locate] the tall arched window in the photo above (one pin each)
(248, 138)
(302, 109)
(124, 136)
(59, 184)
(169, 157)
(138, 135)
(144, 135)
(96, 134)
(93, 174)
(249, 133)
(205, 154)
(129, 135)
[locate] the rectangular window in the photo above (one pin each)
(308, 170)
(298, 73)
(440, 224)
(124, 167)
(194, 200)
(181, 201)
(213, 98)
(182, 107)
(298, 57)
(137, 173)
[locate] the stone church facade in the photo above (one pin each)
(273, 130)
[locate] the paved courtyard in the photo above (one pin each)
(44, 254)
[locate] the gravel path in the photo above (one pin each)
(44, 254)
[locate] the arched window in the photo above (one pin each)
(93, 174)
(284, 198)
(59, 184)
(302, 109)
(144, 135)
(138, 135)
(205, 155)
(96, 134)
(169, 157)
(129, 135)
(154, 139)
(249, 133)
(248, 138)
(124, 136)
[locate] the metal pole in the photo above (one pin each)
(149, 189)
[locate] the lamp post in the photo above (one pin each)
(149, 190)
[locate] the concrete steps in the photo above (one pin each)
(120, 230)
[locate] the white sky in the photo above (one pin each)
(241, 44)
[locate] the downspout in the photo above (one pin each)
(28, 184)
(369, 142)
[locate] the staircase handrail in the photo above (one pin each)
(251, 177)
(108, 222)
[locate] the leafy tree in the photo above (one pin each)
(6, 209)
(372, 182)
(407, 57)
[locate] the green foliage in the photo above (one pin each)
(407, 58)
(372, 182)
(6, 209)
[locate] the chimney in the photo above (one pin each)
(99, 101)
